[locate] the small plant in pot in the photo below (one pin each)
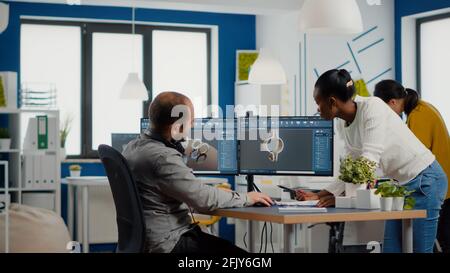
(75, 170)
(357, 174)
(394, 197)
(402, 199)
(5, 139)
(386, 191)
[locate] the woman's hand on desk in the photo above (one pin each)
(257, 197)
(327, 201)
(306, 195)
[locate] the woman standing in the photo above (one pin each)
(370, 129)
(427, 124)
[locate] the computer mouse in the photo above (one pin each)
(260, 205)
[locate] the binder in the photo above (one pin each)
(30, 141)
(42, 132)
(48, 171)
(52, 133)
(37, 176)
(27, 172)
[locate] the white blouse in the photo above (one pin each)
(380, 135)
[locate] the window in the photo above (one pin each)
(113, 57)
(187, 64)
(433, 59)
(89, 62)
(51, 55)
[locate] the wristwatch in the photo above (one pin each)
(273, 144)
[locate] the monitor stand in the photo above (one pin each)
(251, 183)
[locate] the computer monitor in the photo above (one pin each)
(119, 141)
(287, 146)
(212, 147)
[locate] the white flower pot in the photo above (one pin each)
(398, 203)
(343, 202)
(75, 173)
(350, 189)
(62, 154)
(5, 144)
(386, 203)
(367, 199)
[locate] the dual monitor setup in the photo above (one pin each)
(301, 146)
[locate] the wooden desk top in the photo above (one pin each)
(333, 215)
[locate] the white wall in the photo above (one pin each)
(281, 34)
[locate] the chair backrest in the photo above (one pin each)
(130, 218)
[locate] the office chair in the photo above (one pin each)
(130, 218)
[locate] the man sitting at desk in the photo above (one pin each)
(168, 188)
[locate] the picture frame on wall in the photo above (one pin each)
(244, 60)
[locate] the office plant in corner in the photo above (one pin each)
(5, 139)
(64, 133)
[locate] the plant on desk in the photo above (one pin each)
(357, 174)
(5, 139)
(75, 170)
(395, 197)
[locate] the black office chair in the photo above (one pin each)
(130, 218)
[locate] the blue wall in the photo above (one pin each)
(235, 32)
(406, 8)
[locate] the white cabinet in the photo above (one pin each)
(28, 166)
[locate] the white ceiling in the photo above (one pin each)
(257, 7)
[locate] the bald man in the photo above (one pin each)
(168, 188)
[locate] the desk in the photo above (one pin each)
(288, 220)
(84, 182)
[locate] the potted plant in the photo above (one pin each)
(386, 191)
(357, 174)
(402, 199)
(75, 170)
(63, 134)
(395, 197)
(5, 140)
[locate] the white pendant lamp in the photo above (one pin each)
(331, 17)
(134, 88)
(4, 16)
(266, 70)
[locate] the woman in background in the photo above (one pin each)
(427, 124)
(370, 129)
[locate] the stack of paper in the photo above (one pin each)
(301, 209)
(299, 206)
(311, 203)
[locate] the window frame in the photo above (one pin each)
(87, 30)
(419, 23)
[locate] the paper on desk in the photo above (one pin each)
(310, 203)
(301, 209)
